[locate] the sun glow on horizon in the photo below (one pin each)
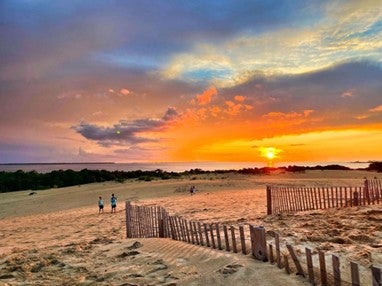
(269, 153)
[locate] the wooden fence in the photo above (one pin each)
(282, 199)
(154, 221)
(146, 221)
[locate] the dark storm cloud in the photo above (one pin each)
(126, 132)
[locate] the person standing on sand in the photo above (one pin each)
(100, 205)
(113, 202)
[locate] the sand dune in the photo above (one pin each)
(57, 237)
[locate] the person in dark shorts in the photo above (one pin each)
(100, 205)
(113, 202)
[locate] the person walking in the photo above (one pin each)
(113, 202)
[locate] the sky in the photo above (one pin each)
(178, 81)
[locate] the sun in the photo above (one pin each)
(269, 153)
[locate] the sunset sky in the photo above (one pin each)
(166, 81)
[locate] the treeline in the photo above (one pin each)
(375, 166)
(20, 180)
(267, 170)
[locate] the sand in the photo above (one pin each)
(57, 237)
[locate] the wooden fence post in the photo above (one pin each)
(128, 219)
(269, 200)
(258, 242)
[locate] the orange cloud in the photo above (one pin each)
(206, 96)
(124, 91)
(290, 115)
(215, 110)
(233, 108)
(239, 98)
(376, 109)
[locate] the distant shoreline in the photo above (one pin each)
(57, 163)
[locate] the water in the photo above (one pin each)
(165, 166)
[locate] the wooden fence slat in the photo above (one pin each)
(309, 262)
(295, 260)
(242, 240)
(323, 273)
(336, 270)
(196, 233)
(200, 233)
(316, 206)
(206, 233)
(187, 231)
(234, 246)
(226, 238)
(217, 226)
(311, 195)
(354, 274)
(178, 229)
(184, 234)
(172, 227)
(191, 232)
(376, 274)
(212, 236)
(271, 257)
(286, 263)
(291, 202)
(278, 254)
(328, 197)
